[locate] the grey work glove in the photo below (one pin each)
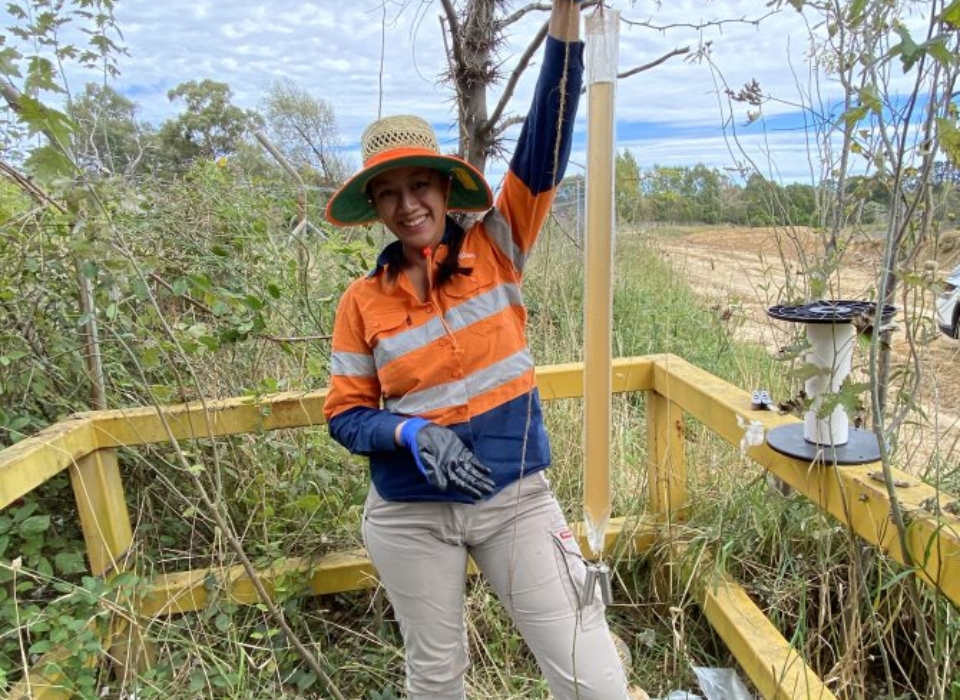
(443, 458)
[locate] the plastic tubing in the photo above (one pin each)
(602, 37)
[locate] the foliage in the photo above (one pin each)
(304, 128)
(210, 126)
(45, 599)
(107, 136)
(699, 195)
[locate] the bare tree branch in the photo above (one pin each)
(457, 47)
(30, 187)
(653, 64)
(697, 26)
(506, 124)
(521, 13)
(511, 85)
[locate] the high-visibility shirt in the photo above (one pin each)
(460, 358)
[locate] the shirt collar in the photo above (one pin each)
(391, 250)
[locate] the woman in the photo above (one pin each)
(432, 379)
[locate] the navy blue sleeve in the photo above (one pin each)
(543, 150)
(364, 430)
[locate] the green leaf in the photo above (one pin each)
(44, 567)
(856, 10)
(41, 647)
(948, 137)
(870, 99)
(8, 59)
(222, 622)
(951, 15)
(24, 511)
(907, 49)
(48, 163)
(937, 49)
(34, 525)
(69, 562)
(855, 114)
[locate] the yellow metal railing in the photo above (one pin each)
(85, 445)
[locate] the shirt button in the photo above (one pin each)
(429, 308)
(458, 373)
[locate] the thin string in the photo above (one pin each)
(383, 49)
(563, 105)
(533, 379)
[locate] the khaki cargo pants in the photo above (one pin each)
(522, 544)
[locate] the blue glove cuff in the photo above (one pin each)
(409, 432)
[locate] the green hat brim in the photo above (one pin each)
(469, 191)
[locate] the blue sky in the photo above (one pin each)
(671, 115)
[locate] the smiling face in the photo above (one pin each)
(412, 203)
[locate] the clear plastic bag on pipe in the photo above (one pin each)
(721, 684)
(603, 46)
(679, 695)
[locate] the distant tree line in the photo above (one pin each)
(701, 195)
(109, 138)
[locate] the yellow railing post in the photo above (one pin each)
(105, 522)
(666, 480)
(103, 510)
(666, 458)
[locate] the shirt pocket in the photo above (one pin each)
(475, 304)
(384, 325)
(468, 286)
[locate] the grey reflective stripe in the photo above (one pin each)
(353, 364)
(457, 393)
(417, 402)
(500, 373)
(469, 312)
(484, 306)
(389, 349)
(501, 234)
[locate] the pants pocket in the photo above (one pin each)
(573, 573)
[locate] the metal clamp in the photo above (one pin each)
(597, 574)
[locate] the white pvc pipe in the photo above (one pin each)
(831, 350)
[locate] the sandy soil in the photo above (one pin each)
(742, 272)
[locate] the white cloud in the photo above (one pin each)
(363, 56)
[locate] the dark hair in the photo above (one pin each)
(451, 264)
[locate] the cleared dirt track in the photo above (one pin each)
(744, 271)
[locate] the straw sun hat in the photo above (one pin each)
(395, 142)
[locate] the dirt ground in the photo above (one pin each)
(742, 272)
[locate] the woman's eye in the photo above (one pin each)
(421, 184)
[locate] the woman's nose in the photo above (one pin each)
(407, 199)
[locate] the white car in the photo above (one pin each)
(948, 305)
